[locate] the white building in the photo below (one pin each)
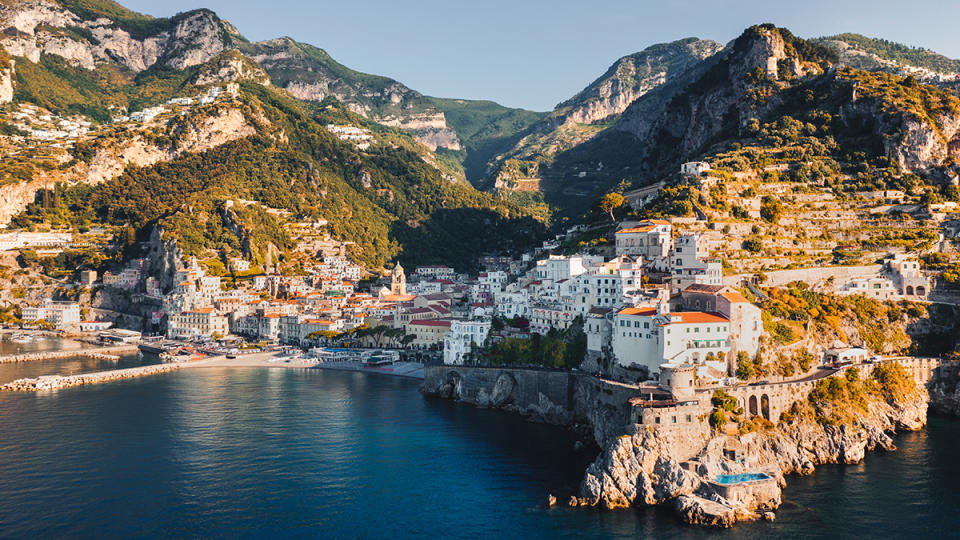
(557, 268)
(689, 263)
(653, 336)
(649, 240)
(546, 316)
(877, 287)
(694, 168)
(910, 279)
(510, 305)
(196, 323)
(63, 315)
(461, 337)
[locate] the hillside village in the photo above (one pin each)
(660, 292)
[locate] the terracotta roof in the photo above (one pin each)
(644, 311)
(431, 323)
(641, 229)
(688, 317)
(734, 297)
(699, 287)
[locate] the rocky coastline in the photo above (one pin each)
(643, 468)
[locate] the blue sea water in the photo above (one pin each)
(255, 453)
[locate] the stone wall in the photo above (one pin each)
(543, 395)
(813, 276)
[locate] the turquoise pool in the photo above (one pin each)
(728, 479)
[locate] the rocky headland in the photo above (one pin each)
(681, 466)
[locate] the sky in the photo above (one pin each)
(534, 55)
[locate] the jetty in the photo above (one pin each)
(54, 382)
(100, 353)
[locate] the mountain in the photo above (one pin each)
(764, 75)
(165, 127)
(468, 131)
(594, 108)
(857, 51)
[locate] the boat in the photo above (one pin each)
(21, 338)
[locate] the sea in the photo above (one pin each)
(270, 453)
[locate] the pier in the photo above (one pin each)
(100, 353)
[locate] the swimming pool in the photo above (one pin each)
(728, 479)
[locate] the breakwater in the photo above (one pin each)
(99, 353)
(53, 382)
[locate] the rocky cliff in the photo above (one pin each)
(665, 464)
(605, 99)
(87, 38)
(631, 77)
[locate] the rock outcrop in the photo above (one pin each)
(8, 77)
(660, 464)
(41, 26)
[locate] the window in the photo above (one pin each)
(657, 419)
(673, 419)
(689, 419)
(646, 325)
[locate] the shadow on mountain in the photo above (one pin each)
(457, 237)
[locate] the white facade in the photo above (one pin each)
(462, 335)
(200, 322)
(513, 304)
(689, 264)
(694, 168)
(649, 240)
(653, 336)
(63, 315)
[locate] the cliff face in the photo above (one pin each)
(656, 464)
(7, 77)
(41, 26)
(631, 77)
(713, 97)
(626, 81)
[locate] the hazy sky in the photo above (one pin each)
(535, 54)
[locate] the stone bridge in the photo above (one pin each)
(770, 400)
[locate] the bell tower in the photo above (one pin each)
(398, 280)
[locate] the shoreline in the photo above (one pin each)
(258, 360)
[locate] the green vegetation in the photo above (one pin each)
(557, 349)
(725, 409)
(410, 211)
(905, 54)
(877, 323)
(100, 93)
(840, 400)
(485, 129)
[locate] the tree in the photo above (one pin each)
(753, 245)
(770, 209)
(744, 366)
(610, 202)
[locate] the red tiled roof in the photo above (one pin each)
(431, 323)
(644, 311)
